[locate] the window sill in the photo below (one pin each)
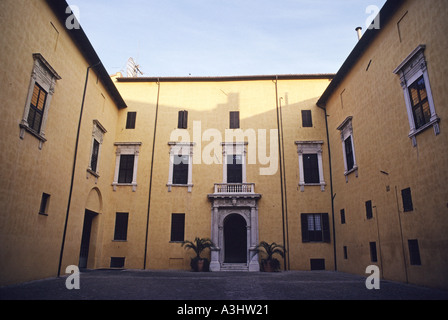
(24, 127)
(347, 173)
(433, 123)
(133, 185)
(93, 173)
(322, 185)
(170, 185)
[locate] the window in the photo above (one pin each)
(234, 162)
(182, 120)
(315, 227)
(311, 168)
(37, 106)
(373, 254)
(349, 153)
(419, 103)
(414, 252)
(40, 93)
(121, 226)
(310, 164)
(126, 172)
(345, 253)
(126, 164)
(235, 168)
(43, 210)
(234, 119)
(307, 120)
(342, 216)
(418, 98)
(348, 147)
(317, 264)
(181, 165)
(407, 200)
(177, 227)
(180, 169)
(369, 211)
(130, 121)
(117, 262)
(97, 141)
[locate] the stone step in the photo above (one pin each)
(234, 267)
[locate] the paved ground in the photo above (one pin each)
(178, 286)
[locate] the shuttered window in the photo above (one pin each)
(130, 121)
(349, 153)
(234, 119)
(36, 111)
(315, 227)
(234, 168)
(121, 226)
(180, 169)
(373, 254)
(369, 211)
(126, 172)
(307, 120)
(414, 252)
(182, 119)
(177, 227)
(407, 200)
(420, 103)
(95, 153)
(311, 168)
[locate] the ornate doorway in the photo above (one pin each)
(234, 228)
(235, 239)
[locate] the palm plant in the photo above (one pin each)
(198, 245)
(270, 263)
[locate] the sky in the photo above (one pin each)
(224, 37)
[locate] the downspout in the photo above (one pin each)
(74, 167)
(323, 107)
(280, 144)
(150, 177)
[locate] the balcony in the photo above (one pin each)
(232, 188)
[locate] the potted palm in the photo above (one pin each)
(198, 263)
(270, 264)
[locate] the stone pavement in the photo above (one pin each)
(229, 286)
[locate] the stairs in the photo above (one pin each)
(235, 267)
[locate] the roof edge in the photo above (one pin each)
(84, 45)
(385, 14)
(228, 78)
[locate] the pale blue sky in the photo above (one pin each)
(224, 37)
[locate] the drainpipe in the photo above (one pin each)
(280, 150)
(150, 176)
(74, 167)
(323, 107)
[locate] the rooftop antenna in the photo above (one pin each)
(132, 69)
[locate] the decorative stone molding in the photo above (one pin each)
(409, 71)
(45, 76)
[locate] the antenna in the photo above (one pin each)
(132, 69)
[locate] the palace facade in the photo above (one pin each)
(344, 170)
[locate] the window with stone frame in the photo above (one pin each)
(311, 171)
(414, 78)
(348, 147)
(37, 106)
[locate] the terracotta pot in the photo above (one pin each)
(201, 265)
(267, 266)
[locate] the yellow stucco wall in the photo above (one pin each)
(375, 100)
(208, 104)
(31, 243)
